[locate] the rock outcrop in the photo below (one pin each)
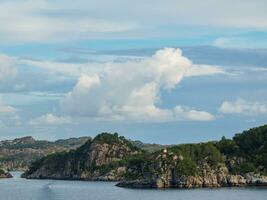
(5, 174)
(236, 162)
(165, 175)
(97, 159)
(198, 182)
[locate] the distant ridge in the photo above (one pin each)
(17, 154)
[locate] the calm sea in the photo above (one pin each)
(21, 189)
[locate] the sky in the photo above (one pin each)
(169, 72)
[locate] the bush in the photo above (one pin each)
(186, 167)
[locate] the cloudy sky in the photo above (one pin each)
(169, 71)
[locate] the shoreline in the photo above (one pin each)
(141, 184)
(152, 186)
(194, 187)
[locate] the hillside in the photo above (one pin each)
(229, 162)
(91, 161)
(17, 154)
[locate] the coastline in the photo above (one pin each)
(157, 184)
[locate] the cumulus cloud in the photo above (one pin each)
(244, 107)
(76, 69)
(132, 90)
(50, 119)
(50, 74)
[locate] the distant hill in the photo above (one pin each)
(17, 154)
(229, 162)
(149, 147)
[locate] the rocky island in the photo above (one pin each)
(97, 159)
(240, 161)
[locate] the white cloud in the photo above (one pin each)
(132, 90)
(66, 69)
(239, 42)
(201, 70)
(182, 113)
(6, 110)
(7, 70)
(241, 106)
(39, 21)
(57, 67)
(77, 69)
(42, 21)
(50, 119)
(13, 77)
(259, 69)
(8, 115)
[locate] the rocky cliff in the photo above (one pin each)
(167, 170)
(95, 160)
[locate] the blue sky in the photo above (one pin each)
(165, 72)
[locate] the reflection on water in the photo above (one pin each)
(22, 189)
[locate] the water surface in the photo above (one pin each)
(22, 189)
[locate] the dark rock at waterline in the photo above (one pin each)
(199, 182)
(5, 174)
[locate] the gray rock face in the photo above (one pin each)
(256, 179)
(212, 180)
(103, 153)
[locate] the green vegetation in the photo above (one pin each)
(2, 171)
(227, 146)
(249, 148)
(108, 138)
(246, 152)
(187, 167)
(199, 152)
(114, 138)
